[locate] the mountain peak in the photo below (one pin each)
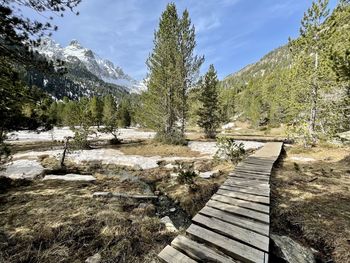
(102, 68)
(75, 43)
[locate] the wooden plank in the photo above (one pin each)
(263, 178)
(251, 171)
(252, 187)
(198, 251)
(247, 190)
(256, 185)
(241, 203)
(246, 182)
(265, 167)
(266, 259)
(243, 235)
(241, 211)
(246, 223)
(233, 248)
(171, 255)
(244, 196)
(250, 174)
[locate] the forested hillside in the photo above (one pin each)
(309, 74)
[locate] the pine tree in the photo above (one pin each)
(308, 51)
(109, 118)
(172, 69)
(189, 64)
(96, 110)
(209, 110)
(124, 114)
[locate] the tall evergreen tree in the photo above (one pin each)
(209, 111)
(307, 50)
(189, 64)
(109, 118)
(96, 108)
(172, 69)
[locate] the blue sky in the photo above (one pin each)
(230, 33)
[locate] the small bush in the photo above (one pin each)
(229, 149)
(173, 138)
(186, 174)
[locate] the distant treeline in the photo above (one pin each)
(305, 84)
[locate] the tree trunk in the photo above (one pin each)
(64, 151)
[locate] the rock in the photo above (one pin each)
(169, 225)
(207, 175)
(142, 205)
(102, 194)
(174, 175)
(169, 166)
(70, 177)
(202, 166)
(156, 192)
(172, 210)
(22, 169)
(228, 126)
(94, 259)
(292, 252)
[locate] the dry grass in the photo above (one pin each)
(190, 200)
(311, 201)
(151, 148)
(61, 222)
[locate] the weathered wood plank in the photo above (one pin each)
(241, 211)
(251, 171)
(247, 190)
(241, 203)
(266, 259)
(251, 187)
(249, 176)
(243, 235)
(199, 251)
(258, 227)
(265, 167)
(244, 196)
(233, 248)
(171, 255)
(246, 182)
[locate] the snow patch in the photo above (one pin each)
(302, 159)
(210, 148)
(22, 169)
(70, 177)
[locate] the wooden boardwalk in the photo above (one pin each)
(234, 225)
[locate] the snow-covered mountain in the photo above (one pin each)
(104, 69)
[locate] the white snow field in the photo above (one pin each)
(59, 134)
(210, 148)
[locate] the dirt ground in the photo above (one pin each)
(311, 199)
(58, 221)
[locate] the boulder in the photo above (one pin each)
(292, 252)
(169, 225)
(207, 175)
(94, 259)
